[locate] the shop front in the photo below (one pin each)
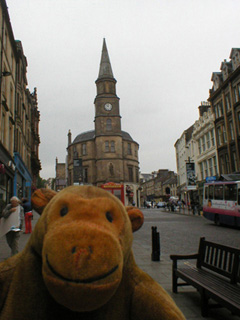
(116, 189)
(7, 169)
(22, 179)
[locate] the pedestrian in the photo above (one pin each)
(133, 203)
(27, 215)
(13, 235)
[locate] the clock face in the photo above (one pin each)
(108, 107)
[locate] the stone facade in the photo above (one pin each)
(159, 186)
(225, 102)
(19, 138)
(206, 164)
(185, 152)
(60, 181)
(106, 154)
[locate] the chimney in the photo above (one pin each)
(69, 137)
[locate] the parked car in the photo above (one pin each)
(161, 204)
(148, 204)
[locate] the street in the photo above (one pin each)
(180, 233)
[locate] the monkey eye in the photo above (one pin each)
(109, 216)
(63, 211)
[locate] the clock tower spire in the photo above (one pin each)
(105, 70)
(107, 114)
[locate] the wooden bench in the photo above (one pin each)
(216, 275)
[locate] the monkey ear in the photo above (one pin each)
(40, 199)
(136, 217)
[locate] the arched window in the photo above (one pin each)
(109, 125)
(129, 148)
(167, 190)
(112, 146)
(106, 146)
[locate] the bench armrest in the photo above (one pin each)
(175, 257)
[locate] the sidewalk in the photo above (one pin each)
(5, 251)
(188, 299)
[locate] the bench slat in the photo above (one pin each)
(210, 282)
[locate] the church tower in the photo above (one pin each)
(107, 156)
(108, 134)
(107, 114)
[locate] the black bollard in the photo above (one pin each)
(155, 245)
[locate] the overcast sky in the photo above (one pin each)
(162, 52)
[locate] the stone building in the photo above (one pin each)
(106, 156)
(185, 154)
(205, 152)
(35, 138)
(8, 60)
(19, 118)
(60, 181)
(225, 102)
(27, 140)
(159, 187)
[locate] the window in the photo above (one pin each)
(10, 137)
(205, 169)
(218, 192)
(219, 136)
(137, 175)
(206, 193)
(199, 146)
(234, 161)
(216, 111)
(129, 149)
(235, 94)
(224, 134)
(227, 101)
(230, 192)
(227, 163)
(201, 170)
(112, 146)
(130, 173)
(11, 103)
(211, 192)
(84, 149)
(109, 125)
(212, 138)
(222, 164)
(220, 109)
(238, 116)
(106, 146)
(215, 165)
(210, 166)
(231, 130)
(238, 86)
(203, 143)
(208, 140)
(3, 128)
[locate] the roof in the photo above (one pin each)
(230, 177)
(105, 70)
(85, 136)
(171, 180)
(90, 135)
